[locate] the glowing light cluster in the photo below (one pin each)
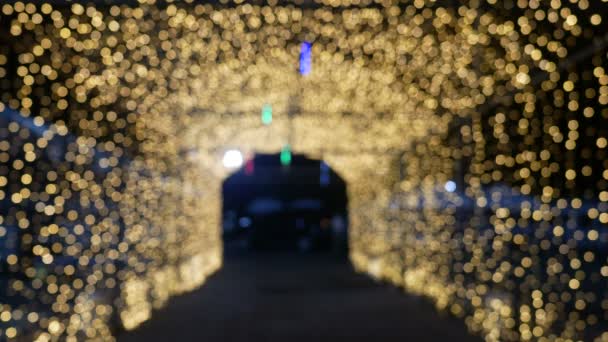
(115, 118)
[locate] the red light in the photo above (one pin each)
(249, 167)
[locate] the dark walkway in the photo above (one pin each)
(289, 297)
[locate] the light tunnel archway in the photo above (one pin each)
(115, 117)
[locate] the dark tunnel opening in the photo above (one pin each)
(269, 206)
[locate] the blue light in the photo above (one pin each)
(305, 58)
(324, 167)
(245, 222)
(324, 178)
(450, 186)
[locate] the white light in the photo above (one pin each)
(233, 159)
(450, 186)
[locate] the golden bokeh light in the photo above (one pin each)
(114, 118)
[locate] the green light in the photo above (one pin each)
(267, 114)
(286, 155)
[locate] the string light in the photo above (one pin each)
(113, 116)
